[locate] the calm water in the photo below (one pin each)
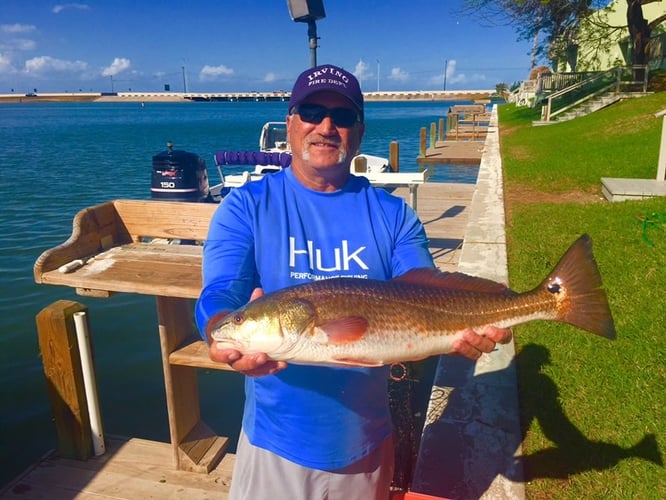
(56, 159)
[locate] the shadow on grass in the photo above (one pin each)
(572, 452)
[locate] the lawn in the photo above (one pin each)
(593, 411)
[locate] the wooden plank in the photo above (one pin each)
(99, 228)
(196, 447)
(443, 209)
(64, 378)
(165, 219)
(130, 469)
(461, 152)
(94, 229)
(194, 352)
(144, 268)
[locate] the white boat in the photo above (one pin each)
(274, 154)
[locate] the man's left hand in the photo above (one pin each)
(473, 344)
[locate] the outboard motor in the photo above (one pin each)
(179, 176)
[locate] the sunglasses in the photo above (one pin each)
(315, 113)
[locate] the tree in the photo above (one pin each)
(554, 25)
(640, 30)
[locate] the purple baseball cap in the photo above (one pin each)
(330, 78)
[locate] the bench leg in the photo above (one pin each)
(196, 447)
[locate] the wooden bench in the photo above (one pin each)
(132, 246)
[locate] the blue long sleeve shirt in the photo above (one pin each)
(276, 233)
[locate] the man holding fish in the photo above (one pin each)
(314, 431)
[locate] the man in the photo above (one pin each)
(313, 432)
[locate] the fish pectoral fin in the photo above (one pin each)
(365, 362)
(344, 330)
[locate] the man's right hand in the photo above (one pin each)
(252, 365)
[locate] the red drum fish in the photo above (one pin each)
(361, 322)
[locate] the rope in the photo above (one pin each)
(651, 221)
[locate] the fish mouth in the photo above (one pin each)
(229, 344)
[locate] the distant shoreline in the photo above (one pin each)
(471, 95)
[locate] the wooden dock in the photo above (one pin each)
(465, 152)
(458, 139)
(137, 468)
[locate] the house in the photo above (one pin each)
(615, 50)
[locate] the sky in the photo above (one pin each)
(249, 45)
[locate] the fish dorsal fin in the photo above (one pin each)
(427, 276)
(344, 330)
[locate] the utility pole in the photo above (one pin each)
(446, 69)
(184, 80)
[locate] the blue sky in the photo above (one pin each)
(244, 45)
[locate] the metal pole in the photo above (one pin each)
(312, 35)
(89, 381)
(446, 69)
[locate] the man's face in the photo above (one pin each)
(325, 144)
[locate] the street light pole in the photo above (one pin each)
(312, 36)
(308, 11)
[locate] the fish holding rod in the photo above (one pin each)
(359, 322)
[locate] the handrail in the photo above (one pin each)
(614, 76)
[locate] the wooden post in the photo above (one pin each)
(196, 447)
(441, 134)
(394, 156)
(64, 378)
(422, 143)
(433, 134)
(360, 164)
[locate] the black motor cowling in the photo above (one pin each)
(179, 176)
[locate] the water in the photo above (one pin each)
(56, 159)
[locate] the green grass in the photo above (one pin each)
(586, 403)
(620, 141)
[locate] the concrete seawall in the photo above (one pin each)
(472, 431)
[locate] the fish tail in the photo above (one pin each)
(576, 284)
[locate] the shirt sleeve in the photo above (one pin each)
(229, 271)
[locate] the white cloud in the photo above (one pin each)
(77, 6)
(214, 72)
(6, 65)
(361, 71)
(118, 65)
(20, 44)
(270, 77)
(398, 75)
(14, 29)
(44, 64)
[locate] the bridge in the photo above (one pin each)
(279, 95)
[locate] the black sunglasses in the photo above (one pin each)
(315, 113)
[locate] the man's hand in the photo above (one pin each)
(252, 365)
(474, 344)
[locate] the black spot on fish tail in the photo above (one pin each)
(576, 283)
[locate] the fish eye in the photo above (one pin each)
(238, 319)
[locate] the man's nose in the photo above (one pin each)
(327, 126)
